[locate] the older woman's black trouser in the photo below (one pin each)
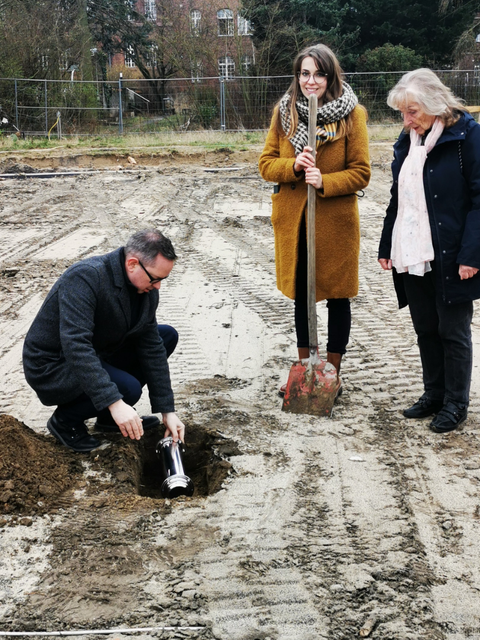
(444, 339)
(339, 314)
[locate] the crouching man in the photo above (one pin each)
(95, 343)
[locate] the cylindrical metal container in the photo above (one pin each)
(176, 483)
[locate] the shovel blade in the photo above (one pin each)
(310, 388)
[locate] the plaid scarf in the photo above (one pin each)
(327, 117)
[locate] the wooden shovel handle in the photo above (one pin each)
(312, 197)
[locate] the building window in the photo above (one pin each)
(197, 71)
(243, 26)
(225, 22)
(64, 58)
(226, 67)
(129, 58)
(246, 63)
(151, 60)
(150, 10)
(195, 17)
(476, 73)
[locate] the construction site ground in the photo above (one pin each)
(364, 524)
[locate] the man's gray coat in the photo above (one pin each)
(87, 317)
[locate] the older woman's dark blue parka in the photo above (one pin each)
(452, 189)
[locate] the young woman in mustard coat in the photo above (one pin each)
(341, 169)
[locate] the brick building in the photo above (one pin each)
(195, 39)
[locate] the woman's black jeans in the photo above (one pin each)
(339, 314)
(444, 339)
(124, 371)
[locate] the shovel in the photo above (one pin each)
(312, 383)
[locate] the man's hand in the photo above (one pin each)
(385, 263)
(127, 419)
(466, 272)
(174, 426)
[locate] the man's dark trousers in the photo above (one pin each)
(124, 370)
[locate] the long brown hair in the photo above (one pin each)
(326, 62)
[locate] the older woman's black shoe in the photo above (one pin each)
(449, 418)
(423, 408)
(74, 437)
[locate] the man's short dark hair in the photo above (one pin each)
(148, 244)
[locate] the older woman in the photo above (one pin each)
(431, 238)
(341, 169)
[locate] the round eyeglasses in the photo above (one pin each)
(318, 76)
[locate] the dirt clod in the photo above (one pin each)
(33, 469)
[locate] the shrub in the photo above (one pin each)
(389, 57)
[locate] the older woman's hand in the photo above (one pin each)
(466, 272)
(385, 263)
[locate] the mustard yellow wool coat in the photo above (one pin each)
(345, 167)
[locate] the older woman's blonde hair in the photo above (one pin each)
(425, 88)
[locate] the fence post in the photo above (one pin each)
(46, 110)
(16, 105)
(222, 104)
(59, 125)
(120, 108)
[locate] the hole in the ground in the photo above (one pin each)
(39, 475)
(203, 461)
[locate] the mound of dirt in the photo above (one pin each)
(38, 475)
(15, 167)
(34, 470)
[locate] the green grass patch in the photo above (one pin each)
(215, 140)
(228, 141)
(384, 132)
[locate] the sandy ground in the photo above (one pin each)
(363, 524)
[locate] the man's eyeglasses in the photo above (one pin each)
(318, 76)
(151, 278)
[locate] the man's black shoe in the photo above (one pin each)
(449, 418)
(148, 423)
(423, 407)
(74, 437)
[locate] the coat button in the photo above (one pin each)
(293, 185)
(431, 170)
(447, 278)
(444, 251)
(439, 224)
(435, 196)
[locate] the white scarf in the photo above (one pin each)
(412, 248)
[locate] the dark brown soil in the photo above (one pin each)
(38, 475)
(34, 470)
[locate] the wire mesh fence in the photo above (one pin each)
(64, 108)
